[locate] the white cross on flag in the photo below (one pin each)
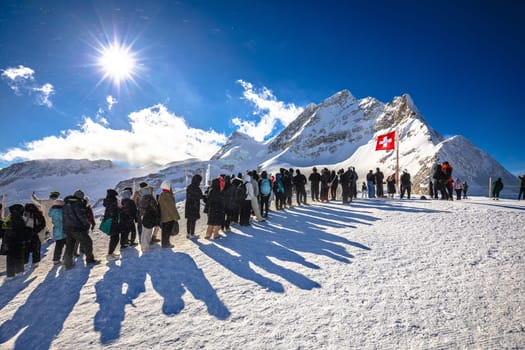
(386, 142)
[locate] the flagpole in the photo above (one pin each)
(397, 161)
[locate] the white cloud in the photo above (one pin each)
(111, 101)
(22, 81)
(21, 72)
(270, 110)
(43, 94)
(157, 136)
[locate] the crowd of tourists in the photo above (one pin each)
(139, 216)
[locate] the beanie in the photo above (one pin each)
(78, 194)
(165, 185)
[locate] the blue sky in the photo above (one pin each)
(203, 69)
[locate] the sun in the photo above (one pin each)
(118, 63)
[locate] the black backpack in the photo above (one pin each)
(39, 222)
(241, 192)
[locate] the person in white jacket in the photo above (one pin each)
(45, 205)
(255, 199)
(246, 205)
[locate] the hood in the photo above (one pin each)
(58, 202)
(111, 193)
(143, 191)
(16, 209)
(196, 180)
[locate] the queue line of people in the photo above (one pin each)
(229, 199)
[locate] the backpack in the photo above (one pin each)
(240, 193)
(278, 184)
(266, 188)
(31, 211)
(40, 222)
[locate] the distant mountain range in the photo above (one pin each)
(337, 133)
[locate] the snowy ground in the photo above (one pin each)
(378, 274)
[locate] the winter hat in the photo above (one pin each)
(111, 193)
(126, 193)
(78, 194)
(16, 209)
(165, 185)
(54, 195)
(143, 184)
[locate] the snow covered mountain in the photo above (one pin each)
(342, 131)
(337, 133)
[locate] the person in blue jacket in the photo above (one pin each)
(55, 213)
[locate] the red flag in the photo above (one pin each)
(386, 142)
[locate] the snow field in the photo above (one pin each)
(377, 274)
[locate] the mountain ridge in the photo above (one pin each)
(339, 132)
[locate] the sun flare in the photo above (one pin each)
(117, 62)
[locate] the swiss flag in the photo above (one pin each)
(386, 142)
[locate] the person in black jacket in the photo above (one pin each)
(192, 208)
(128, 218)
(334, 181)
(35, 220)
(325, 184)
(406, 184)
(497, 186)
(299, 181)
(346, 180)
(215, 203)
(231, 204)
(353, 182)
(379, 177)
(315, 179)
(76, 227)
(440, 181)
(111, 203)
(234, 208)
(15, 234)
(149, 213)
(288, 187)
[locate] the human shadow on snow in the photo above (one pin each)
(11, 289)
(498, 204)
(394, 205)
(171, 273)
(39, 321)
(300, 229)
